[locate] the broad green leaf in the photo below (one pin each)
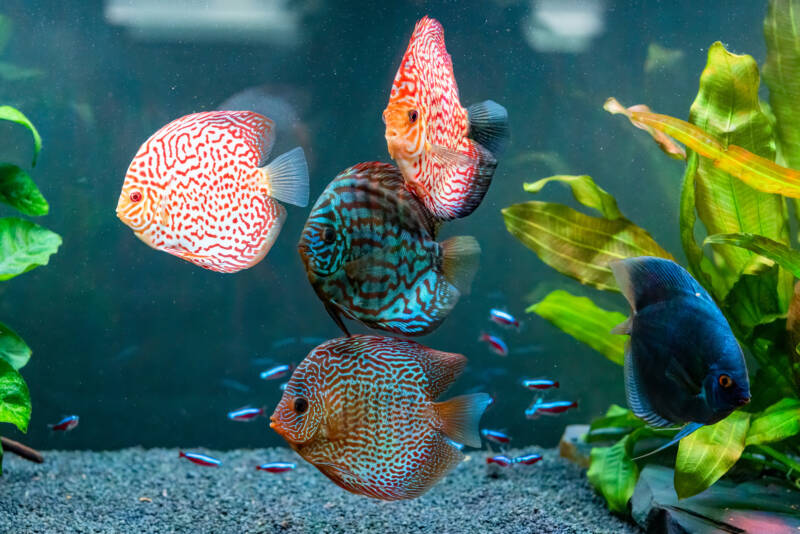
(780, 253)
(776, 377)
(617, 416)
(24, 246)
(752, 301)
(19, 191)
(582, 319)
(585, 191)
(15, 401)
(782, 74)
(7, 113)
(727, 108)
(776, 423)
(613, 473)
(578, 245)
(12, 348)
(708, 453)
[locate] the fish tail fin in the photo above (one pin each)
(459, 417)
(460, 258)
(181, 454)
(287, 178)
(646, 280)
(685, 431)
(488, 125)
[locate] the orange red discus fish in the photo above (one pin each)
(445, 152)
(199, 189)
(362, 410)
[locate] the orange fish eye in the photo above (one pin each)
(300, 405)
(135, 196)
(725, 381)
(413, 115)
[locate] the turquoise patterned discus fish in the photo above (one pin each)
(362, 410)
(369, 248)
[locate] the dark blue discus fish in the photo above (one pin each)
(370, 252)
(682, 363)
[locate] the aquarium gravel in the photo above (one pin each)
(152, 490)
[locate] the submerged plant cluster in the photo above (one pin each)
(741, 181)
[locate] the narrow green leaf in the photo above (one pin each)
(613, 473)
(782, 74)
(585, 191)
(727, 108)
(708, 453)
(7, 113)
(15, 400)
(24, 246)
(582, 319)
(780, 253)
(12, 348)
(616, 416)
(776, 423)
(578, 245)
(19, 191)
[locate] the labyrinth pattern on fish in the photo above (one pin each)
(384, 267)
(371, 425)
(449, 187)
(202, 201)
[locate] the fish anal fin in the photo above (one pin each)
(333, 311)
(685, 431)
(460, 416)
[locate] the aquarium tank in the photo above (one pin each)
(405, 266)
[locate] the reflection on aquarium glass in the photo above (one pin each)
(405, 266)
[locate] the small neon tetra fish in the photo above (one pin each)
(246, 414)
(539, 383)
(200, 459)
(500, 459)
(279, 371)
(528, 459)
(539, 407)
(503, 318)
(66, 424)
(495, 344)
(496, 436)
(276, 467)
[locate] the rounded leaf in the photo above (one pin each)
(24, 246)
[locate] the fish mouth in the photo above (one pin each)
(743, 401)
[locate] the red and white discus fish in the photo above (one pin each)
(445, 152)
(199, 189)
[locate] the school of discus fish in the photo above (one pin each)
(365, 409)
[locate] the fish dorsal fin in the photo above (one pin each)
(440, 368)
(488, 125)
(685, 431)
(646, 280)
(259, 132)
(459, 417)
(637, 399)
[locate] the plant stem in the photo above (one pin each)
(21, 450)
(789, 462)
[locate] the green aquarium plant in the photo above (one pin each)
(24, 245)
(741, 177)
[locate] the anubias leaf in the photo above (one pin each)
(780, 253)
(582, 319)
(15, 400)
(782, 74)
(12, 348)
(24, 246)
(752, 301)
(585, 190)
(7, 113)
(617, 416)
(707, 454)
(578, 245)
(776, 423)
(18, 190)
(613, 473)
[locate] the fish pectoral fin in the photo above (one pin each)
(372, 265)
(678, 374)
(624, 328)
(685, 431)
(638, 401)
(449, 157)
(459, 417)
(460, 256)
(163, 212)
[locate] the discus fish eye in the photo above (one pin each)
(300, 405)
(329, 235)
(725, 381)
(413, 115)
(135, 196)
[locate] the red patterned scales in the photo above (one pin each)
(199, 189)
(362, 410)
(445, 152)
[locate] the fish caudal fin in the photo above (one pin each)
(646, 280)
(460, 259)
(287, 178)
(488, 125)
(460, 416)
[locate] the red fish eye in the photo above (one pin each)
(725, 381)
(300, 405)
(413, 115)
(135, 196)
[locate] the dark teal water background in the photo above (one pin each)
(137, 342)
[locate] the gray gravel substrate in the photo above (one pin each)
(142, 491)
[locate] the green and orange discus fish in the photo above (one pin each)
(363, 411)
(370, 252)
(445, 152)
(200, 189)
